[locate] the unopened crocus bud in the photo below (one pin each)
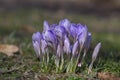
(96, 50)
(94, 55)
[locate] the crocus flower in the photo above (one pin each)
(60, 31)
(73, 31)
(94, 55)
(82, 36)
(80, 28)
(36, 38)
(86, 47)
(96, 50)
(65, 37)
(65, 23)
(50, 37)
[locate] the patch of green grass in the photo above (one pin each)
(107, 61)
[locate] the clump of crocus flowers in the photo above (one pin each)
(65, 41)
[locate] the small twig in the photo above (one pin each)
(11, 70)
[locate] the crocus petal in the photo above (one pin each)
(88, 41)
(59, 50)
(50, 37)
(65, 23)
(36, 37)
(82, 37)
(36, 47)
(73, 31)
(75, 48)
(43, 46)
(80, 28)
(96, 50)
(53, 26)
(46, 26)
(60, 31)
(67, 45)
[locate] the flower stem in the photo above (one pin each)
(62, 62)
(75, 65)
(57, 60)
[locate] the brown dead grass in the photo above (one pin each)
(107, 76)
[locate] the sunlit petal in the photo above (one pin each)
(67, 45)
(82, 37)
(36, 37)
(46, 26)
(75, 48)
(65, 23)
(96, 50)
(43, 46)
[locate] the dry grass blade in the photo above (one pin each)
(11, 70)
(107, 76)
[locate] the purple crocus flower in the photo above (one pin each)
(49, 36)
(96, 50)
(82, 37)
(51, 39)
(86, 47)
(73, 31)
(36, 38)
(60, 31)
(94, 55)
(65, 37)
(65, 23)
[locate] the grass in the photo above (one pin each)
(12, 31)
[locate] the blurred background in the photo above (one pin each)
(21, 18)
(99, 15)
